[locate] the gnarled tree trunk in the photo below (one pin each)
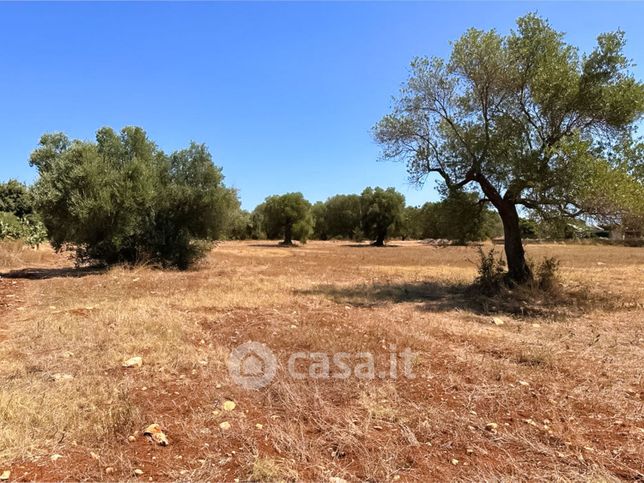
(380, 240)
(288, 236)
(518, 270)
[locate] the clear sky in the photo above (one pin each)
(284, 94)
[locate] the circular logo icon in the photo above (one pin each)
(252, 365)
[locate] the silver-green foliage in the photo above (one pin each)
(122, 199)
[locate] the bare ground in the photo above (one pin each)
(561, 382)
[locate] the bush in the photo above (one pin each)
(547, 274)
(491, 272)
(10, 227)
(28, 229)
(122, 199)
(492, 276)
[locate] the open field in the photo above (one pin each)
(555, 393)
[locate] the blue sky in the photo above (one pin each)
(284, 94)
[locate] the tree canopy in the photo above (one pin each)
(458, 217)
(122, 199)
(381, 210)
(289, 216)
(15, 198)
(528, 120)
(338, 217)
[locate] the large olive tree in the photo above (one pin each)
(527, 120)
(122, 199)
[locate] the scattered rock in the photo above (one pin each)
(5, 475)
(224, 425)
(469, 451)
(336, 479)
(133, 362)
(60, 377)
(259, 426)
(138, 472)
(229, 405)
(158, 436)
(497, 321)
(94, 455)
(68, 354)
(492, 427)
(55, 457)
(109, 470)
(530, 422)
(379, 428)
(131, 439)
(524, 383)
(454, 461)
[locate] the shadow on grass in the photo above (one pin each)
(46, 273)
(370, 245)
(434, 296)
(272, 245)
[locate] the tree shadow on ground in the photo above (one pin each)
(272, 245)
(434, 296)
(47, 273)
(370, 245)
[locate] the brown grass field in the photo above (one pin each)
(560, 379)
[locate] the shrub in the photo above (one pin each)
(28, 229)
(122, 199)
(10, 227)
(492, 276)
(491, 272)
(547, 274)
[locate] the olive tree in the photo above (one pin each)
(15, 198)
(288, 215)
(122, 199)
(381, 210)
(527, 120)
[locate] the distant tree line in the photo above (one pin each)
(376, 214)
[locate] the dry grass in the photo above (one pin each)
(563, 385)
(16, 254)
